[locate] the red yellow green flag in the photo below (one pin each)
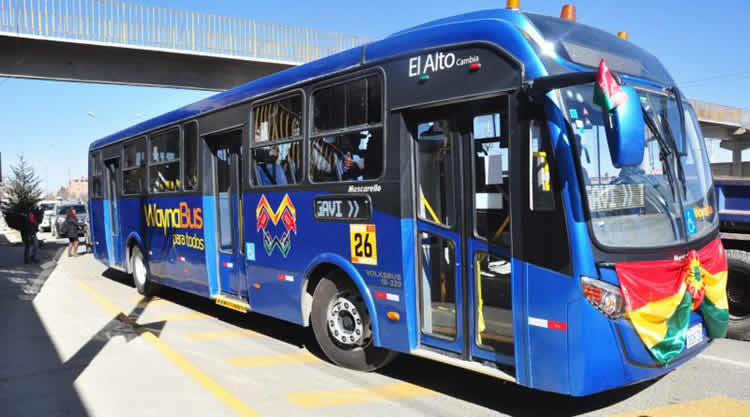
(660, 295)
(607, 92)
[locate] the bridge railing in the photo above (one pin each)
(125, 24)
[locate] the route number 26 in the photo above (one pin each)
(363, 244)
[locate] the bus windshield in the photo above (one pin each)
(664, 201)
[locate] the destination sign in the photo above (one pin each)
(342, 207)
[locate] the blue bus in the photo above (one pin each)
(451, 191)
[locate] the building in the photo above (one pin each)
(78, 187)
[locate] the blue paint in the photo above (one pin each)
(691, 225)
(409, 280)
(211, 252)
(250, 251)
(108, 232)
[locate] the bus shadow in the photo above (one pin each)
(501, 396)
(492, 393)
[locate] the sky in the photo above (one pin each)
(702, 44)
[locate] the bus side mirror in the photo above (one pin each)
(626, 131)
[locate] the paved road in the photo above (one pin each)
(87, 345)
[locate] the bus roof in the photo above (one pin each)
(508, 29)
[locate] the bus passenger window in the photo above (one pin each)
(354, 152)
(280, 163)
(134, 169)
(165, 162)
(96, 176)
(435, 172)
(491, 174)
(494, 318)
(353, 156)
(191, 156)
(438, 281)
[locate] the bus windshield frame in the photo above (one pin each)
(642, 207)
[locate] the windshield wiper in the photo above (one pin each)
(665, 152)
(673, 142)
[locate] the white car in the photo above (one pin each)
(62, 212)
(48, 209)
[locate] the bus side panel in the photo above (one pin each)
(98, 234)
(174, 236)
(547, 327)
(276, 273)
(594, 363)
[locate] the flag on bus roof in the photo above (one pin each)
(607, 92)
(660, 295)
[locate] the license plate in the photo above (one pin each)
(694, 335)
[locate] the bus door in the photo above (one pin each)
(463, 228)
(226, 152)
(112, 220)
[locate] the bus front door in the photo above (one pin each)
(463, 233)
(226, 152)
(112, 212)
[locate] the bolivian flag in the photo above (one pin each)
(660, 295)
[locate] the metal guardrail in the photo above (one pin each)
(124, 24)
(717, 113)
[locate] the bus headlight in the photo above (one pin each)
(607, 298)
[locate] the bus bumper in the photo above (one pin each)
(606, 354)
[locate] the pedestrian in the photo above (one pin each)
(69, 229)
(28, 235)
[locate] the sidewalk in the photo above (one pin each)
(29, 357)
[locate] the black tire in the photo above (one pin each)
(364, 356)
(141, 275)
(738, 294)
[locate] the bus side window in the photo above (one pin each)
(165, 162)
(134, 168)
(541, 197)
(277, 142)
(96, 176)
(347, 131)
(491, 185)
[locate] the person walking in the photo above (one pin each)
(28, 235)
(69, 230)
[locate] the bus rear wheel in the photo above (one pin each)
(738, 294)
(342, 326)
(139, 268)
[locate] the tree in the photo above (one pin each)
(63, 193)
(22, 191)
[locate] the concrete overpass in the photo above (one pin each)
(730, 125)
(108, 41)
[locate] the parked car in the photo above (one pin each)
(47, 207)
(61, 210)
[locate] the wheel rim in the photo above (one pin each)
(738, 295)
(348, 322)
(139, 270)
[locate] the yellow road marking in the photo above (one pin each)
(178, 360)
(719, 406)
(357, 395)
(192, 315)
(226, 334)
(271, 360)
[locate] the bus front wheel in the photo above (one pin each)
(342, 326)
(139, 269)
